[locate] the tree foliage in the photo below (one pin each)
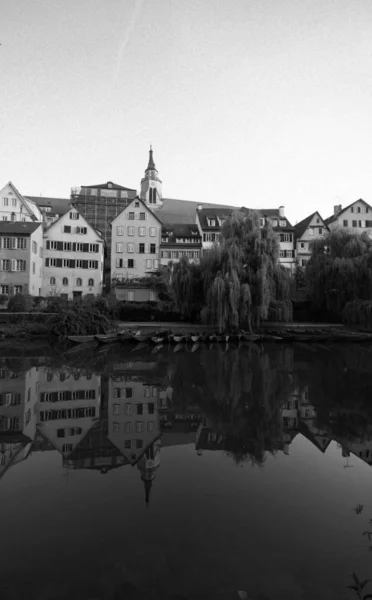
(240, 281)
(340, 270)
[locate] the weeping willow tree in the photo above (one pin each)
(243, 281)
(339, 272)
(186, 286)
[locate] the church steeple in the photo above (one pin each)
(151, 165)
(151, 185)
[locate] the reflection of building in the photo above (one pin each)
(68, 407)
(133, 420)
(207, 439)
(178, 425)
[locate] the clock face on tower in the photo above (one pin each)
(152, 184)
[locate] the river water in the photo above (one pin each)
(142, 473)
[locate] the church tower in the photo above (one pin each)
(151, 185)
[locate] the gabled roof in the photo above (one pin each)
(301, 227)
(58, 206)
(23, 199)
(83, 218)
(333, 218)
(109, 185)
(18, 227)
(127, 207)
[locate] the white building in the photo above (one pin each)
(15, 207)
(21, 257)
(356, 217)
(68, 406)
(305, 232)
(73, 257)
(136, 235)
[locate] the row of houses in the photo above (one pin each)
(107, 234)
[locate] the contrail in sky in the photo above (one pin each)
(131, 26)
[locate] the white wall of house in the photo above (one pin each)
(21, 257)
(135, 248)
(358, 218)
(314, 230)
(73, 257)
(14, 207)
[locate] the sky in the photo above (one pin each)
(254, 103)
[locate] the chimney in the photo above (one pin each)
(337, 209)
(281, 212)
(199, 207)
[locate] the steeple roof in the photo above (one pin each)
(151, 165)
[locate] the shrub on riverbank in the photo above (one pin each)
(30, 329)
(358, 312)
(78, 319)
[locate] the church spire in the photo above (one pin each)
(148, 486)
(151, 165)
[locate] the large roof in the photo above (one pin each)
(176, 211)
(18, 227)
(182, 231)
(109, 185)
(57, 206)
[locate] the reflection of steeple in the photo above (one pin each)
(148, 486)
(148, 464)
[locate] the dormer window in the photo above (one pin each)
(136, 204)
(211, 222)
(274, 223)
(283, 223)
(74, 216)
(109, 185)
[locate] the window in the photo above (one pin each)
(52, 281)
(5, 218)
(67, 246)
(6, 201)
(33, 267)
(287, 237)
(142, 216)
(131, 216)
(317, 220)
(352, 209)
(127, 444)
(93, 248)
(34, 247)
(128, 408)
(164, 254)
(282, 223)
(152, 296)
(136, 204)
(302, 245)
(354, 223)
(345, 223)
(148, 263)
(67, 448)
(67, 229)
(152, 231)
(65, 281)
(119, 263)
(150, 426)
(128, 427)
(17, 289)
(320, 231)
(81, 230)
(130, 263)
(139, 426)
(21, 244)
(142, 248)
(130, 230)
(79, 282)
(116, 409)
(129, 392)
(74, 216)
(4, 289)
(209, 237)
(130, 247)
(90, 282)
(156, 263)
(119, 246)
(119, 230)
(152, 248)
(358, 209)
(21, 265)
(141, 231)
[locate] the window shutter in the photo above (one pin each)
(72, 263)
(146, 215)
(147, 248)
(13, 265)
(1, 242)
(137, 247)
(48, 245)
(125, 263)
(59, 262)
(134, 264)
(47, 262)
(59, 245)
(136, 215)
(85, 247)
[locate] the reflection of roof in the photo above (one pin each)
(18, 227)
(58, 206)
(313, 437)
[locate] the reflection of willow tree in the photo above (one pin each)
(241, 393)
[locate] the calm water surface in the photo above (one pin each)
(191, 473)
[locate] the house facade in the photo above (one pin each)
(135, 249)
(305, 232)
(178, 241)
(21, 258)
(356, 217)
(15, 207)
(73, 257)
